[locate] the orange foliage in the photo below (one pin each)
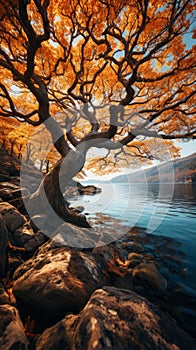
(73, 59)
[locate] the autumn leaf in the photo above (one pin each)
(75, 59)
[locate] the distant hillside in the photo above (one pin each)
(179, 170)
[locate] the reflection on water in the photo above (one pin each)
(164, 209)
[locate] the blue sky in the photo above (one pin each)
(187, 147)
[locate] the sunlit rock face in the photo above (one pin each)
(58, 279)
(56, 282)
(116, 319)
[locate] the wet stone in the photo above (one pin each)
(146, 274)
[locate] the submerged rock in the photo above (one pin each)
(12, 335)
(132, 247)
(116, 319)
(147, 274)
(134, 259)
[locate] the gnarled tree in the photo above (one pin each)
(119, 72)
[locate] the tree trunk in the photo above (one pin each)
(41, 165)
(48, 199)
(57, 136)
(3, 248)
(47, 166)
(12, 148)
(28, 152)
(19, 152)
(49, 196)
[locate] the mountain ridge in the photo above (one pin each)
(178, 170)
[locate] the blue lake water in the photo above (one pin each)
(164, 209)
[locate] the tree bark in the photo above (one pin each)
(49, 196)
(57, 136)
(49, 199)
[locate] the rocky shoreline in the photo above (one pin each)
(117, 296)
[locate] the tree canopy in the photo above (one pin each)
(116, 70)
(108, 74)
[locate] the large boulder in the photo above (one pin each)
(116, 319)
(58, 279)
(12, 335)
(12, 217)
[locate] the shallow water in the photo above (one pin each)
(164, 209)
